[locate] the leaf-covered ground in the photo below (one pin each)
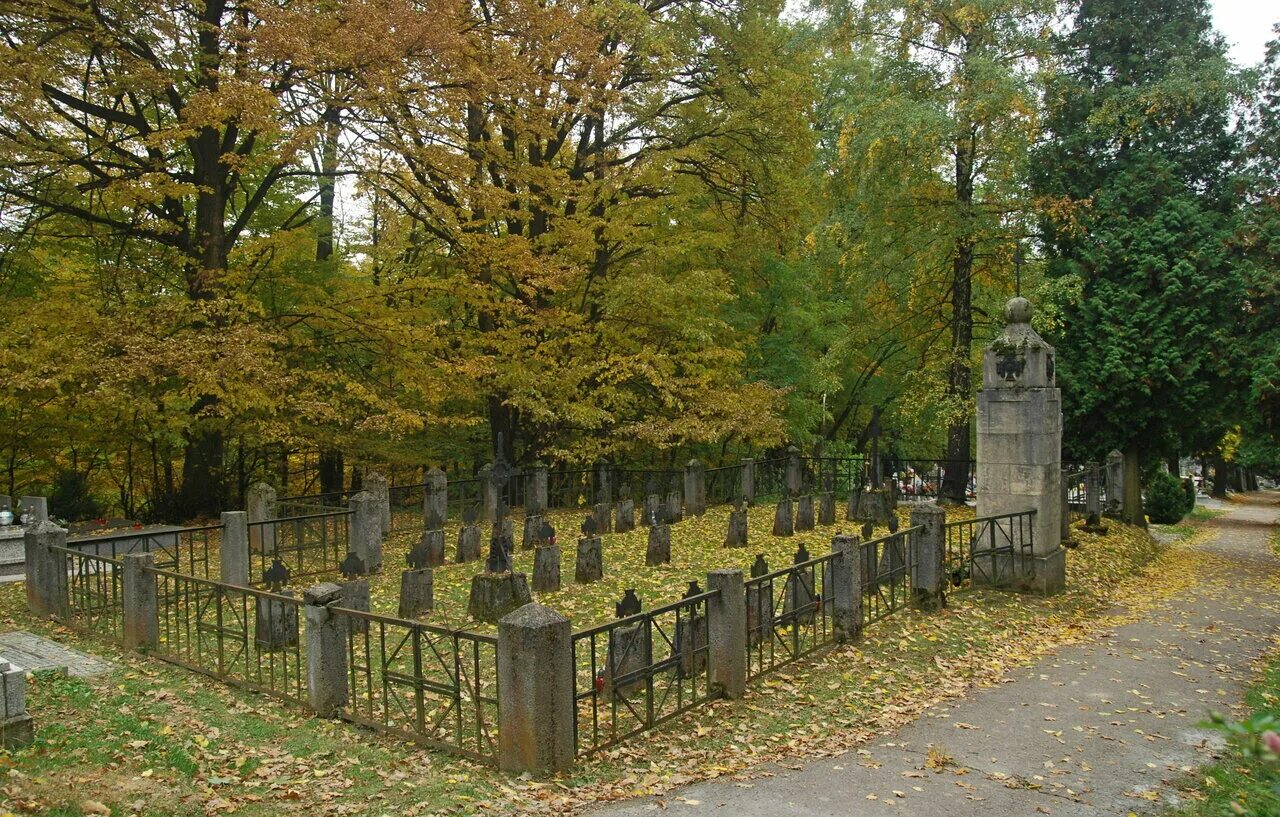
(154, 739)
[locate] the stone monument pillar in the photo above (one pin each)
(1020, 457)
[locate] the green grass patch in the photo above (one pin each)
(1243, 782)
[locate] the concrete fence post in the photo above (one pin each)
(535, 691)
(326, 635)
(846, 588)
(749, 480)
(365, 533)
(139, 602)
(928, 555)
(234, 552)
(727, 631)
(260, 504)
(46, 570)
(695, 487)
(793, 471)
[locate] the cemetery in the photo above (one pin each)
(551, 408)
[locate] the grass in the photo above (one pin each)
(153, 739)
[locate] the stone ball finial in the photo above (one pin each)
(1017, 310)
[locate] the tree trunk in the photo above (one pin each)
(1220, 472)
(959, 381)
(1173, 464)
(1133, 512)
(331, 477)
(203, 493)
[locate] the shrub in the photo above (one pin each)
(1166, 502)
(70, 497)
(1189, 493)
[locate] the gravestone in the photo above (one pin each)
(691, 636)
(630, 652)
(546, 561)
(32, 510)
(589, 566)
(275, 623)
(499, 590)
(759, 605)
(1113, 505)
(675, 507)
(435, 500)
(535, 503)
(695, 487)
(737, 535)
(416, 592)
(782, 521)
(16, 727)
(355, 596)
(626, 516)
(603, 514)
(1020, 455)
(799, 604)
(747, 481)
(874, 505)
(653, 509)
(431, 547)
(827, 508)
(376, 484)
(804, 513)
(468, 538)
(658, 551)
(531, 537)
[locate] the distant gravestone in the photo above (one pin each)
(603, 514)
(658, 551)
(275, 623)
(674, 508)
(827, 509)
(589, 566)
(626, 516)
(691, 636)
(546, 562)
(783, 524)
(469, 538)
(431, 547)
(630, 652)
(759, 605)
(499, 590)
(416, 592)
(804, 513)
(737, 535)
(531, 536)
(799, 605)
(355, 596)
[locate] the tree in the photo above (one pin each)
(1136, 181)
(934, 105)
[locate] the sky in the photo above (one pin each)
(1246, 24)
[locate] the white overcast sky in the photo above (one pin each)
(1247, 25)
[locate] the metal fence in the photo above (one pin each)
(240, 635)
(1076, 483)
(992, 549)
(309, 545)
(633, 673)
(183, 550)
(886, 565)
(434, 686)
(788, 612)
(93, 591)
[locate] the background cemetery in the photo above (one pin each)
(379, 607)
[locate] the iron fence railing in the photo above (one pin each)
(1076, 483)
(309, 545)
(995, 548)
(788, 613)
(886, 565)
(240, 635)
(640, 670)
(431, 685)
(184, 550)
(723, 486)
(770, 479)
(93, 591)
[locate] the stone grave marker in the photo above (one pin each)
(469, 537)
(589, 566)
(782, 521)
(416, 592)
(737, 535)
(546, 561)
